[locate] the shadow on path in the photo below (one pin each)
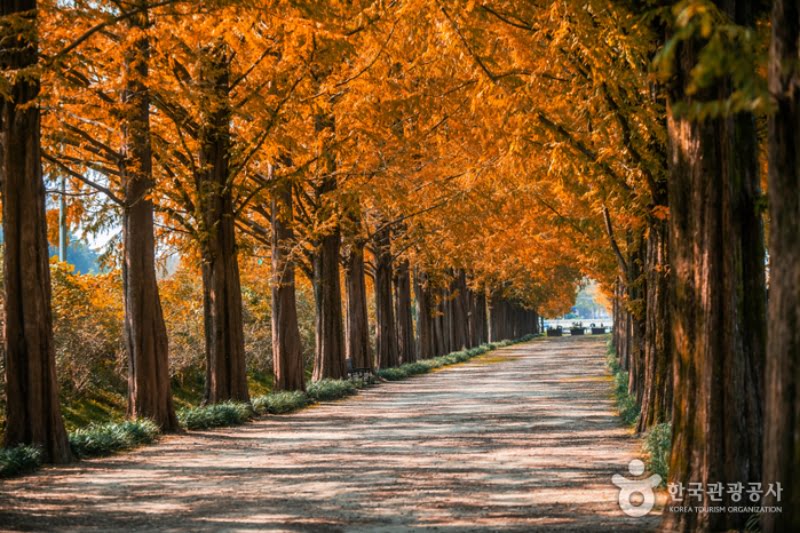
(519, 439)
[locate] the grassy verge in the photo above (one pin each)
(657, 441)
(626, 404)
(216, 415)
(19, 460)
(277, 403)
(103, 439)
(657, 445)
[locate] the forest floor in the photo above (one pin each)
(521, 438)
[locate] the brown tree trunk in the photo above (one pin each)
(782, 411)
(717, 258)
(406, 349)
(480, 317)
(287, 351)
(357, 342)
(496, 318)
(460, 311)
(425, 326)
(329, 356)
(635, 320)
(385, 332)
(440, 336)
(149, 394)
(226, 369)
(33, 414)
(657, 384)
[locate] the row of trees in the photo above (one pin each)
(438, 152)
(227, 128)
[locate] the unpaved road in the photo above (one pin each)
(523, 438)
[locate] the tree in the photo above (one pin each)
(782, 409)
(149, 394)
(287, 355)
(33, 414)
(718, 288)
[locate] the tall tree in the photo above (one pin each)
(782, 410)
(33, 414)
(406, 347)
(226, 372)
(146, 342)
(287, 354)
(385, 328)
(718, 289)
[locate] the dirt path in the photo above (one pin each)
(519, 439)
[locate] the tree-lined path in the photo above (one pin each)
(520, 438)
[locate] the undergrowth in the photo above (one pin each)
(657, 445)
(216, 415)
(626, 404)
(103, 439)
(277, 403)
(19, 460)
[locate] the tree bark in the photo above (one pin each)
(329, 356)
(425, 326)
(357, 343)
(406, 348)
(782, 411)
(287, 351)
(149, 394)
(657, 384)
(718, 297)
(33, 414)
(226, 369)
(385, 331)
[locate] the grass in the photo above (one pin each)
(330, 389)
(103, 439)
(216, 415)
(19, 460)
(657, 444)
(277, 403)
(626, 404)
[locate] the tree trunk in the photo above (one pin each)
(357, 343)
(425, 326)
(718, 298)
(482, 329)
(329, 357)
(149, 394)
(782, 412)
(385, 332)
(406, 349)
(657, 385)
(460, 311)
(226, 369)
(33, 414)
(287, 351)
(439, 336)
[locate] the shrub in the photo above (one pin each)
(19, 460)
(280, 402)
(626, 404)
(103, 439)
(330, 389)
(216, 415)
(393, 374)
(657, 445)
(415, 368)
